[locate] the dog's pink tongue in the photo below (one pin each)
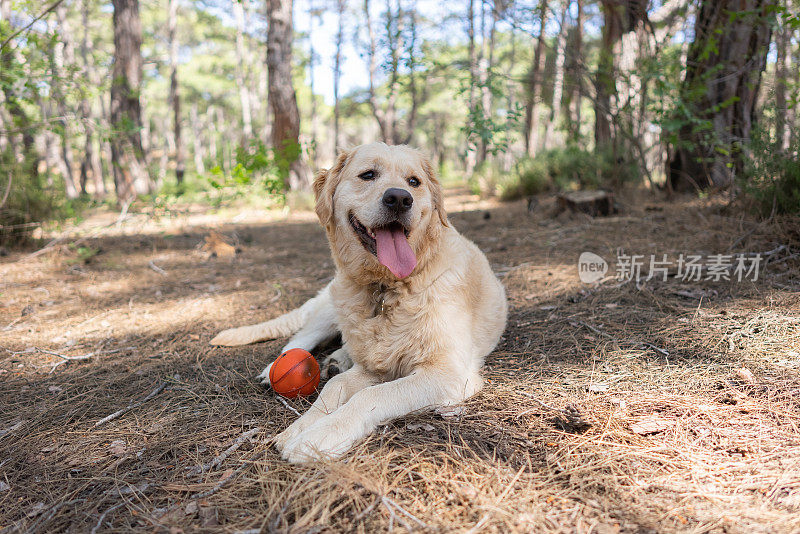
(394, 251)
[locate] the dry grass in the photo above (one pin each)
(547, 446)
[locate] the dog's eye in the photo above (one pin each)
(414, 181)
(367, 175)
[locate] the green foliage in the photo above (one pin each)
(771, 178)
(256, 168)
(565, 169)
(29, 199)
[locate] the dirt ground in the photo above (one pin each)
(671, 406)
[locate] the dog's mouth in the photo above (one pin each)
(389, 243)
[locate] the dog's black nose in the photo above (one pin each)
(397, 200)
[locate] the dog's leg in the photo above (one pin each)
(297, 320)
(332, 435)
(336, 392)
(339, 358)
(320, 326)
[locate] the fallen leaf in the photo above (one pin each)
(208, 516)
(35, 510)
(651, 424)
(117, 447)
(451, 411)
(421, 426)
(745, 375)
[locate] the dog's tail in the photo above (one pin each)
(283, 326)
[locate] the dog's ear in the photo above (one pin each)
(325, 183)
(436, 191)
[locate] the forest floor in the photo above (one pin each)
(671, 406)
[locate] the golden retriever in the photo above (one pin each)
(417, 304)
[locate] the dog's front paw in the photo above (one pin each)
(293, 430)
(263, 378)
(324, 439)
(233, 337)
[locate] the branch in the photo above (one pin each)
(31, 23)
(227, 452)
(131, 406)
(8, 191)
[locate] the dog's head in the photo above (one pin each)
(381, 206)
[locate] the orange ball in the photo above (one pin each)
(294, 373)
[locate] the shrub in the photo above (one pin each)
(565, 169)
(27, 199)
(771, 177)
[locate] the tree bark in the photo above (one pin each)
(174, 93)
(473, 80)
(724, 68)
(485, 64)
(782, 69)
(558, 78)
(386, 114)
(128, 162)
(282, 99)
(576, 97)
(414, 93)
(197, 141)
(337, 70)
(62, 55)
(242, 60)
(619, 16)
(534, 84)
(90, 164)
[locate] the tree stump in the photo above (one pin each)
(592, 203)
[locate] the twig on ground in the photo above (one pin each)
(227, 452)
(131, 406)
(404, 511)
(499, 499)
(88, 236)
(156, 268)
(283, 401)
(45, 517)
(65, 357)
(221, 484)
(103, 517)
(5, 432)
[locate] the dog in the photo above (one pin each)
(417, 304)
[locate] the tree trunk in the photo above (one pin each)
(174, 93)
(782, 69)
(485, 66)
(90, 164)
(535, 84)
(197, 142)
(130, 171)
(63, 55)
(313, 60)
(385, 115)
(337, 71)
(413, 90)
(724, 68)
(576, 97)
(282, 99)
(473, 80)
(619, 17)
(558, 79)
(242, 60)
